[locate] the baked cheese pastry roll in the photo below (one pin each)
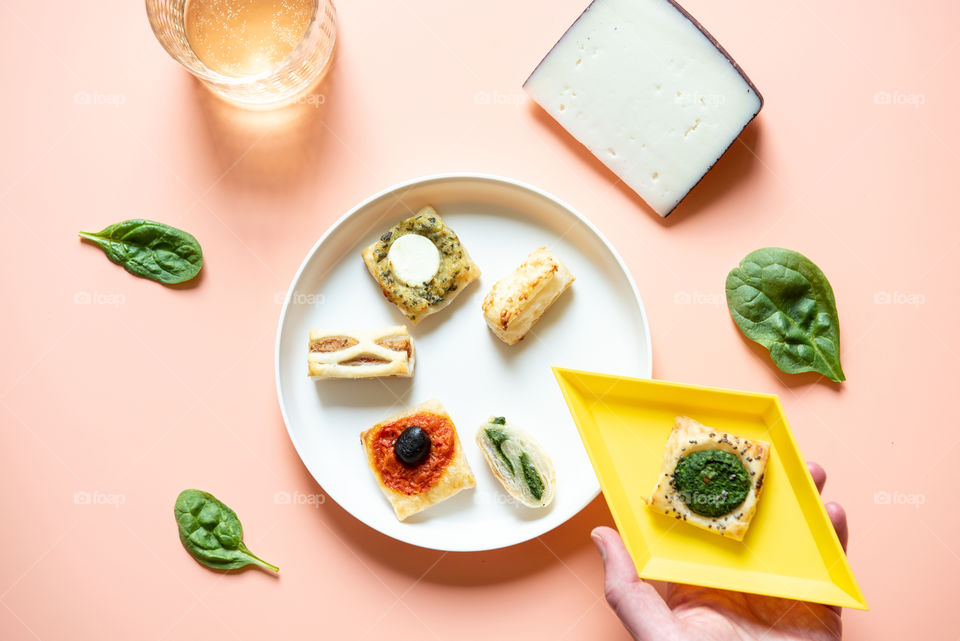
(518, 301)
(417, 459)
(420, 265)
(710, 479)
(359, 354)
(518, 461)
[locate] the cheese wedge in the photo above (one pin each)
(649, 92)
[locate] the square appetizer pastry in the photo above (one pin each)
(518, 300)
(710, 479)
(417, 459)
(420, 265)
(361, 354)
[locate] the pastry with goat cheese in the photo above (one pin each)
(420, 265)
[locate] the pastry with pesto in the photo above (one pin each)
(519, 299)
(518, 461)
(360, 354)
(710, 479)
(420, 265)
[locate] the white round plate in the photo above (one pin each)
(598, 324)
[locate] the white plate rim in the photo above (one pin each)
(418, 182)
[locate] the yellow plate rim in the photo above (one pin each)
(844, 597)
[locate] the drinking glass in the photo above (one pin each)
(250, 52)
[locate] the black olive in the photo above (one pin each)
(412, 446)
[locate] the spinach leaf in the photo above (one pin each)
(780, 299)
(149, 249)
(212, 533)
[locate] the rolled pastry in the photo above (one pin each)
(518, 461)
(361, 354)
(518, 300)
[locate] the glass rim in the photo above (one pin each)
(203, 72)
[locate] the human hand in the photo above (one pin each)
(695, 613)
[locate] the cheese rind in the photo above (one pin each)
(649, 92)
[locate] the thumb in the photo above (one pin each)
(636, 602)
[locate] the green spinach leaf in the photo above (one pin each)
(212, 533)
(780, 299)
(149, 249)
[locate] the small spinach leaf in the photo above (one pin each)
(211, 532)
(150, 249)
(780, 299)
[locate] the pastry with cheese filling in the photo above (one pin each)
(518, 461)
(359, 354)
(420, 265)
(710, 479)
(518, 301)
(417, 459)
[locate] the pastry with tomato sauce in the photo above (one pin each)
(417, 459)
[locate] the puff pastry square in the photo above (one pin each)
(449, 473)
(456, 269)
(689, 436)
(518, 300)
(361, 354)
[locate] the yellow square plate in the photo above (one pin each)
(790, 550)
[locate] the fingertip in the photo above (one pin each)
(596, 535)
(838, 517)
(602, 532)
(617, 563)
(818, 473)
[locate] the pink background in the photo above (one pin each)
(129, 391)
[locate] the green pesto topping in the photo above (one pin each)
(498, 420)
(711, 482)
(498, 438)
(531, 476)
